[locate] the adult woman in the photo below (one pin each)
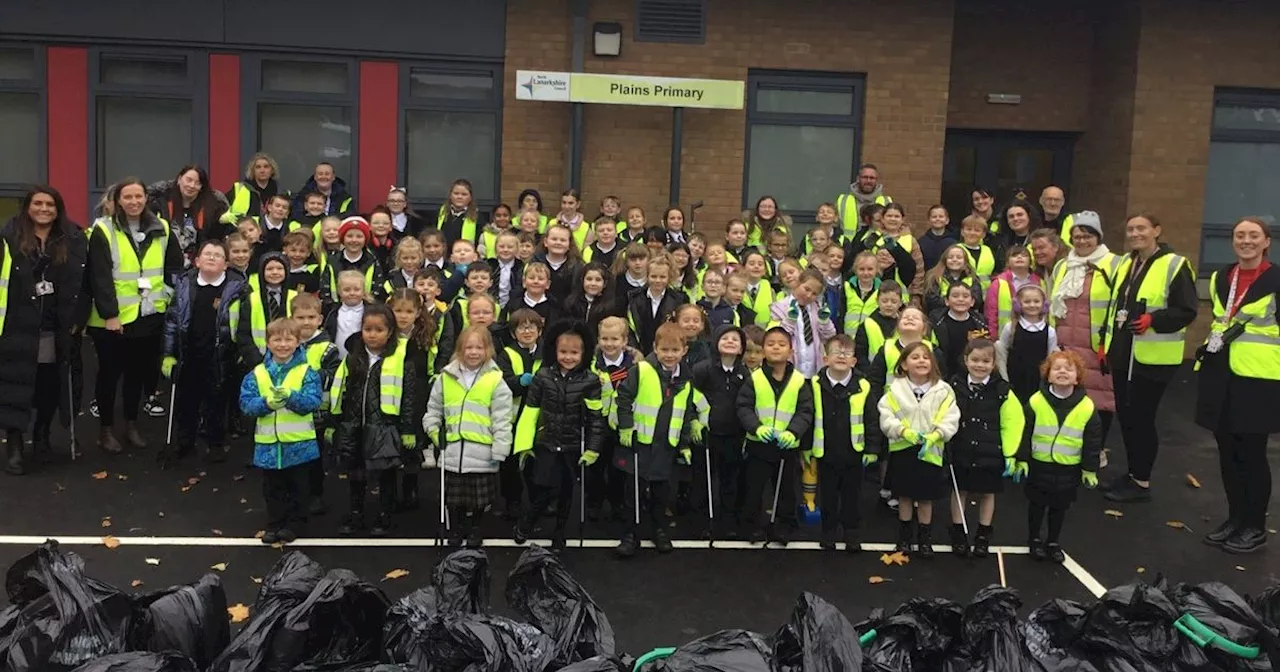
(1016, 225)
(193, 208)
(763, 219)
(1239, 381)
(983, 204)
(133, 258)
(403, 218)
(253, 192)
(1047, 249)
(1078, 307)
(1153, 299)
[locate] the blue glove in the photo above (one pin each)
(1020, 471)
(824, 313)
(787, 441)
(525, 379)
(793, 310)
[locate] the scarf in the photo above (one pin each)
(1072, 283)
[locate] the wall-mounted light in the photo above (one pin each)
(608, 39)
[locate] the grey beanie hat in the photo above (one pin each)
(1089, 220)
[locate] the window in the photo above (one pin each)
(305, 114)
(451, 130)
(802, 138)
(21, 121)
(150, 116)
(1244, 167)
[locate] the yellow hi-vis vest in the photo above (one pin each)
(933, 453)
(773, 411)
(283, 425)
(906, 242)
(240, 199)
(1065, 232)
(1151, 348)
(489, 241)
(258, 314)
(984, 263)
(517, 369)
(468, 224)
(892, 353)
(332, 273)
(649, 401)
(1004, 304)
(1058, 443)
(390, 382)
(6, 269)
(849, 211)
(760, 302)
(467, 414)
(1099, 294)
(315, 360)
(857, 404)
(1255, 353)
(857, 310)
(127, 270)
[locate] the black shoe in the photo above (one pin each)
(982, 542)
(1113, 483)
(558, 542)
(40, 446)
(108, 443)
(959, 541)
(828, 542)
(352, 525)
(924, 544)
(271, 537)
(474, 538)
(316, 507)
(851, 543)
(286, 535)
(381, 526)
(1222, 533)
(906, 533)
(662, 542)
(1128, 493)
(1037, 550)
(519, 534)
(215, 454)
(628, 546)
(409, 492)
(133, 436)
(1055, 553)
(1246, 540)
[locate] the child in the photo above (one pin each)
(990, 433)
(283, 393)
(938, 238)
(266, 300)
(717, 260)
(1060, 448)
(374, 394)
(735, 289)
(835, 273)
(275, 224)
(426, 284)
(530, 199)
(634, 230)
(759, 295)
(605, 248)
(999, 304)
(753, 358)
(477, 282)
(198, 351)
(528, 245)
(239, 252)
(719, 379)
(897, 252)
(611, 207)
(323, 358)
(775, 409)
(807, 321)
(500, 224)
(697, 250)
(846, 439)
(718, 311)
(825, 220)
(462, 256)
(911, 328)
(779, 248)
(655, 418)
(879, 325)
(693, 322)
(954, 328)
(519, 363)
(861, 293)
(303, 275)
(1025, 343)
(592, 300)
(472, 443)
(560, 428)
(564, 260)
(973, 230)
(249, 228)
(816, 241)
(630, 273)
(684, 278)
(953, 268)
(415, 330)
(673, 224)
(505, 268)
(612, 361)
(571, 219)
(313, 208)
(354, 233)
(536, 281)
(735, 241)
(456, 219)
(382, 236)
(327, 240)
(533, 223)
(406, 262)
(651, 308)
(918, 415)
(788, 277)
(344, 320)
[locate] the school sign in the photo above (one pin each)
(581, 87)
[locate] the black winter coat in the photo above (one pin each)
(177, 322)
(98, 270)
(565, 422)
(1056, 477)
(1184, 304)
(366, 437)
(1229, 403)
(801, 420)
(721, 387)
(658, 459)
(644, 323)
(19, 344)
(977, 443)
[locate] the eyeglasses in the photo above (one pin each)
(526, 327)
(840, 353)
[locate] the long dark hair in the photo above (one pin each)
(358, 366)
(603, 305)
(25, 227)
(118, 217)
(424, 329)
(689, 281)
(204, 201)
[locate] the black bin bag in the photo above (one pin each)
(286, 586)
(189, 619)
(817, 638)
(598, 664)
(59, 618)
(141, 661)
(1267, 604)
(723, 651)
(1050, 633)
(338, 625)
(543, 593)
(1131, 627)
(923, 634)
(459, 585)
(486, 643)
(1228, 615)
(992, 632)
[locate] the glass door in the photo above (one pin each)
(1011, 165)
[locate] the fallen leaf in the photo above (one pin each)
(217, 533)
(1142, 570)
(1178, 525)
(193, 480)
(186, 488)
(1192, 480)
(877, 579)
(1240, 568)
(396, 574)
(238, 613)
(161, 514)
(256, 579)
(259, 534)
(106, 522)
(238, 477)
(203, 474)
(278, 544)
(215, 489)
(221, 567)
(153, 561)
(136, 583)
(110, 542)
(1271, 530)
(243, 500)
(100, 475)
(342, 477)
(898, 558)
(1114, 514)
(121, 477)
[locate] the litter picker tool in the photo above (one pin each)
(173, 396)
(955, 489)
(582, 492)
(635, 476)
(777, 489)
(71, 412)
(711, 505)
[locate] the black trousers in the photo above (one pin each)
(604, 483)
(1136, 404)
(286, 492)
(315, 475)
(511, 484)
(198, 399)
(541, 496)
(759, 474)
(1246, 477)
(48, 387)
(133, 359)
(726, 480)
(839, 486)
(660, 497)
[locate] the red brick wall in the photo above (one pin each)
(535, 136)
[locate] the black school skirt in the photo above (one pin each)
(979, 481)
(911, 477)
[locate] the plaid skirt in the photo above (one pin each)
(470, 491)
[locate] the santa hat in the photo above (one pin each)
(357, 223)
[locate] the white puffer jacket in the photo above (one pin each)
(466, 457)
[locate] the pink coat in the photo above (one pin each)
(822, 330)
(1073, 335)
(991, 306)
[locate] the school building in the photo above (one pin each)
(1168, 106)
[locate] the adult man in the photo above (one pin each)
(326, 183)
(1051, 202)
(866, 191)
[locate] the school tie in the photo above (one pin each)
(804, 325)
(273, 304)
(976, 387)
(755, 291)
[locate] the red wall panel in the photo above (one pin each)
(67, 73)
(225, 164)
(379, 130)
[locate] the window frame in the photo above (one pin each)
(252, 95)
(38, 86)
(430, 203)
(803, 81)
(1233, 97)
(195, 92)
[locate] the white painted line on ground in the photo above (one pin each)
(250, 542)
(1084, 577)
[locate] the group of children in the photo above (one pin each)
(542, 352)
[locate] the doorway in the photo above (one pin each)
(1008, 163)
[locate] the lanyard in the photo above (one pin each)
(1135, 270)
(1233, 305)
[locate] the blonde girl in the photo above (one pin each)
(633, 230)
(630, 272)
(407, 260)
(953, 268)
